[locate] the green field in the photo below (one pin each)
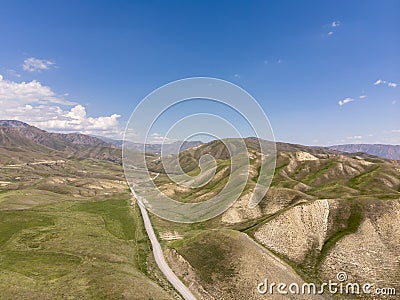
(71, 232)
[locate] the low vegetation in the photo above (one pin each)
(69, 228)
(351, 183)
(70, 231)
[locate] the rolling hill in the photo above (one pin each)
(68, 226)
(68, 221)
(325, 212)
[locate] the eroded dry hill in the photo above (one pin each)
(67, 222)
(325, 212)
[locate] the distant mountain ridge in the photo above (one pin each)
(15, 134)
(386, 151)
(47, 138)
(115, 142)
(169, 148)
(19, 135)
(13, 123)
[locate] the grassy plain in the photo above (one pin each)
(70, 231)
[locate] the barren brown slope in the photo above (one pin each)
(320, 202)
(227, 264)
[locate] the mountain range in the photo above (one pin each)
(107, 148)
(81, 144)
(64, 197)
(386, 151)
(16, 134)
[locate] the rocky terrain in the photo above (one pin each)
(222, 270)
(23, 136)
(64, 197)
(326, 212)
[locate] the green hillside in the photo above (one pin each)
(69, 229)
(319, 202)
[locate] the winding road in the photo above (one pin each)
(159, 255)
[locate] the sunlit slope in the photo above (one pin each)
(31, 141)
(325, 212)
(68, 228)
(307, 172)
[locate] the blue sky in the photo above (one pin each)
(85, 65)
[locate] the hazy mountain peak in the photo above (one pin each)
(13, 123)
(386, 151)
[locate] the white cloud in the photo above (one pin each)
(14, 73)
(362, 96)
(345, 101)
(38, 105)
(385, 82)
(331, 28)
(28, 92)
(32, 64)
(391, 136)
(156, 138)
(76, 119)
(355, 137)
(379, 81)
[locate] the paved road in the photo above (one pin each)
(159, 255)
